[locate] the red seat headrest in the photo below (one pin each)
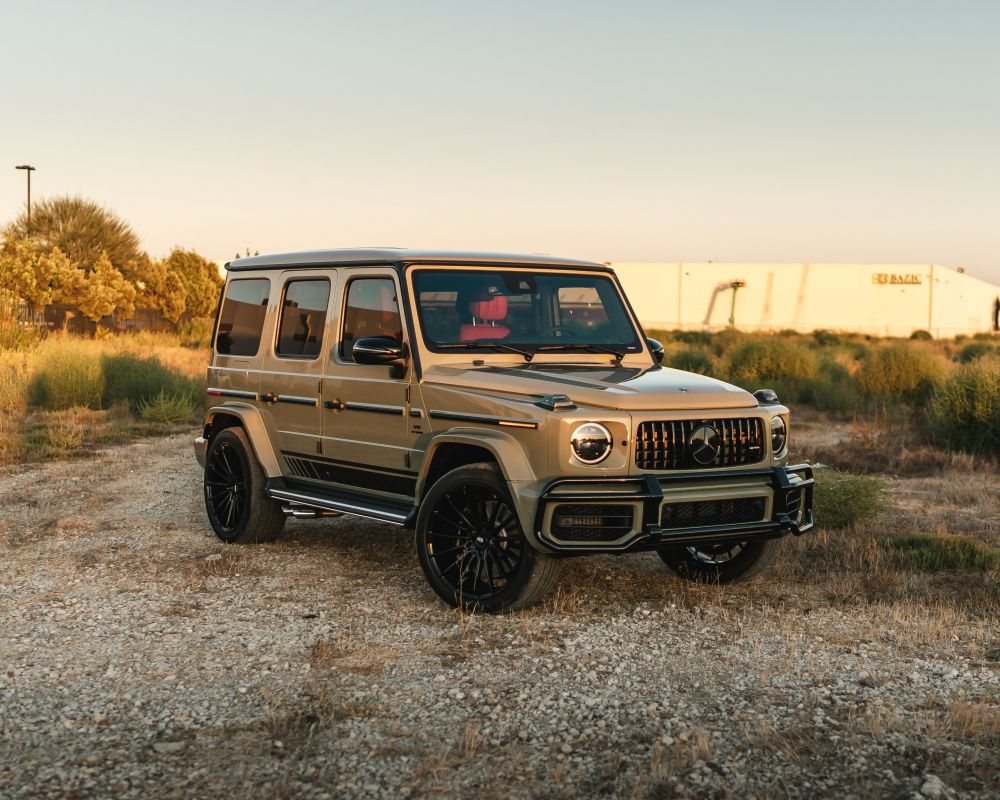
(492, 310)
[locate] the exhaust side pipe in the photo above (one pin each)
(297, 511)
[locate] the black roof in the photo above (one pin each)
(398, 256)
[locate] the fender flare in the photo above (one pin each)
(506, 449)
(252, 422)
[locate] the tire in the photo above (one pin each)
(237, 504)
(471, 546)
(718, 563)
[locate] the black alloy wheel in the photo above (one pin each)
(226, 489)
(471, 545)
(235, 497)
(723, 562)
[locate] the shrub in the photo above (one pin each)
(726, 340)
(169, 409)
(964, 412)
(197, 332)
(825, 338)
(65, 432)
(763, 360)
(842, 500)
(702, 338)
(921, 336)
(974, 350)
(833, 389)
(900, 372)
(133, 379)
(13, 382)
(690, 359)
(67, 373)
(925, 552)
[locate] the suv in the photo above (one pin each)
(506, 408)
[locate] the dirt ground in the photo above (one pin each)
(141, 657)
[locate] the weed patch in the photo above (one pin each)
(939, 553)
(842, 500)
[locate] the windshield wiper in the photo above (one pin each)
(493, 345)
(594, 348)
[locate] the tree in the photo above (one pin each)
(38, 278)
(200, 279)
(81, 229)
(105, 291)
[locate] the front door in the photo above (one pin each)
(366, 407)
(293, 370)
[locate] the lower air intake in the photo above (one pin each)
(713, 512)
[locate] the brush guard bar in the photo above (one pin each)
(791, 508)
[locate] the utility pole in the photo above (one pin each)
(29, 169)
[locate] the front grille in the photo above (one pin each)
(713, 512)
(682, 444)
(603, 523)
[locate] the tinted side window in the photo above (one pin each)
(371, 310)
(303, 318)
(242, 317)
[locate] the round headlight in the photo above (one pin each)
(591, 443)
(779, 434)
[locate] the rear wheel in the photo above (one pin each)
(235, 498)
(721, 563)
(471, 546)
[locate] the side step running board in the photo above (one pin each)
(352, 506)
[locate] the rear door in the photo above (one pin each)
(235, 371)
(291, 378)
(366, 437)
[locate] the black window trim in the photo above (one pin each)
(281, 312)
(350, 276)
(222, 303)
(637, 346)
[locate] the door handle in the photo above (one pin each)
(335, 405)
(269, 397)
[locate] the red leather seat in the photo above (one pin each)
(489, 311)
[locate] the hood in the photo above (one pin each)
(602, 386)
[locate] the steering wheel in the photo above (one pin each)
(557, 329)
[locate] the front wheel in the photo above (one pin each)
(721, 563)
(471, 546)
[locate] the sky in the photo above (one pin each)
(661, 131)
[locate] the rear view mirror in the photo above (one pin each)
(378, 350)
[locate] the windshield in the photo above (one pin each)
(531, 311)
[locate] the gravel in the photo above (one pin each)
(139, 656)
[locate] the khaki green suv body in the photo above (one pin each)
(507, 408)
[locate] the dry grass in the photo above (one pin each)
(350, 654)
(881, 445)
(42, 389)
(291, 724)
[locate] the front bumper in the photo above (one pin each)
(200, 450)
(787, 494)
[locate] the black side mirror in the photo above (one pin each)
(656, 349)
(378, 350)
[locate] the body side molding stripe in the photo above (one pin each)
(296, 400)
(501, 421)
(396, 411)
(231, 393)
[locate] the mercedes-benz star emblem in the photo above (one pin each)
(704, 444)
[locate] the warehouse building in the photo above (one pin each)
(877, 299)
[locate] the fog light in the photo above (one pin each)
(580, 522)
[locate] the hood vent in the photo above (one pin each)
(556, 402)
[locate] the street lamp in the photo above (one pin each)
(29, 169)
